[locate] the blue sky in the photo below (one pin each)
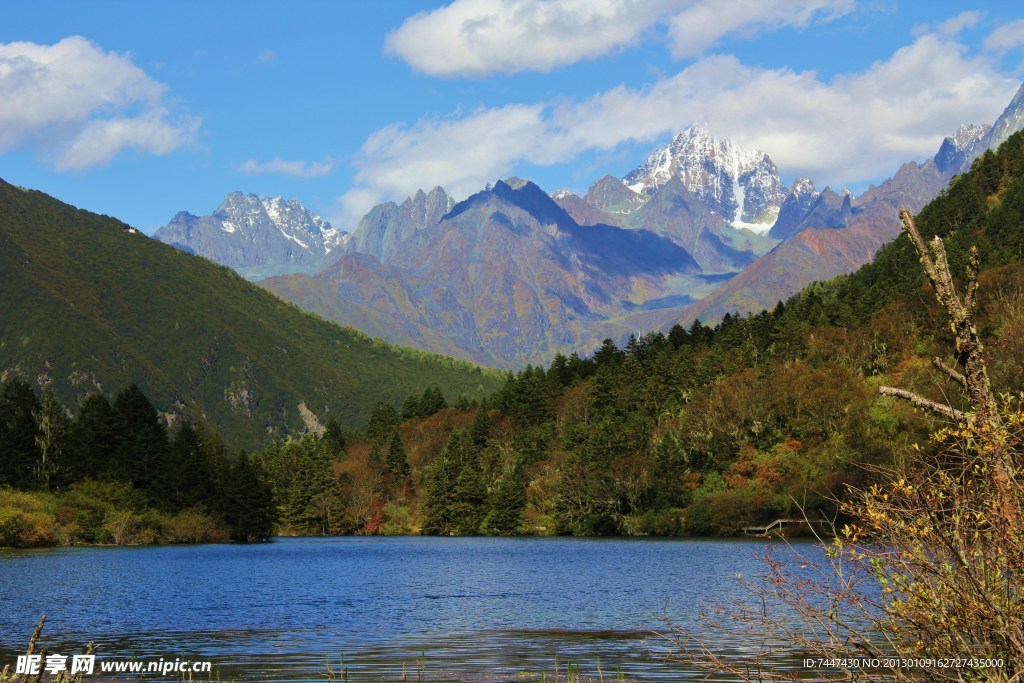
(143, 109)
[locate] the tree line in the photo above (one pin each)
(704, 429)
(112, 471)
(697, 430)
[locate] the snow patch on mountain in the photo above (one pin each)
(741, 186)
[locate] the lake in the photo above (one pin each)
(478, 609)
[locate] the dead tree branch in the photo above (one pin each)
(970, 354)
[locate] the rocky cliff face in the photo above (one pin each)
(388, 225)
(256, 236)
(610, 195)
(507, 276)
(962, 147)
(795, 207)
(742, 187)
(1009, 122)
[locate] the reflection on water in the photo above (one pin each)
(477, 609)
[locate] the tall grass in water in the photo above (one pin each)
(7, 676)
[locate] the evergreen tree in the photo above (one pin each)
(246, 501)
(189, 479)
(143, 454)
(334, 438)
(19, 451)
(527, 396)
(432, 401)
(314, 499)
(481, 427)
(53, 425)
(559, 372)
(505, 505)
(447, 494)
(383, 420)
(678, 336)
(608, 354)
(397, 464)
(411, 407)
(96, 434)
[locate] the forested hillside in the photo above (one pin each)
(111, 473)
(701, 430)
(89, 304)
(698, 431)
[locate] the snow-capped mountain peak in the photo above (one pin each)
(742, 186)
(256, 235)
(968, 135)
(251, 216)
(962, 147)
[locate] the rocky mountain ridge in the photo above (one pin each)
(256, 236)
(743, 187)
(511, 275)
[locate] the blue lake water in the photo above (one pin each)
(478, 609)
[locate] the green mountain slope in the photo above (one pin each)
(87, 302)
(708, 430)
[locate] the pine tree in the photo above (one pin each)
(383, 420)
(190, 477)
(246, 501)
(444, 496)
(142, 456)
(397, 464)
(411, 407)
(19, 452)
(505, 505)
(432, 401)
(469, 497)
(481, 427)
(53, 425)
(334, 438)
(97, 432)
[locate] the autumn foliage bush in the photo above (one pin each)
(926, 581)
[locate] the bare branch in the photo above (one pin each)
(922, 402)
(971, 299)
(919, 245)
(953, 374)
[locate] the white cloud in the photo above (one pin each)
(698, 27)
(101, 140)
(1006, 37)
(480, 37)
(298, 169)
(845, 131)
(81, 106)
(954, 25)
(460, 154)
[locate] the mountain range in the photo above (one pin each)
(88, 303)
(256, 237)
(511, 275)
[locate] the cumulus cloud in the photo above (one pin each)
(964, 20)
(481, 37)
(81, 105)
(1006, 37)
(850, 129)
(696, 28)
(298, 169)
(457, 152)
